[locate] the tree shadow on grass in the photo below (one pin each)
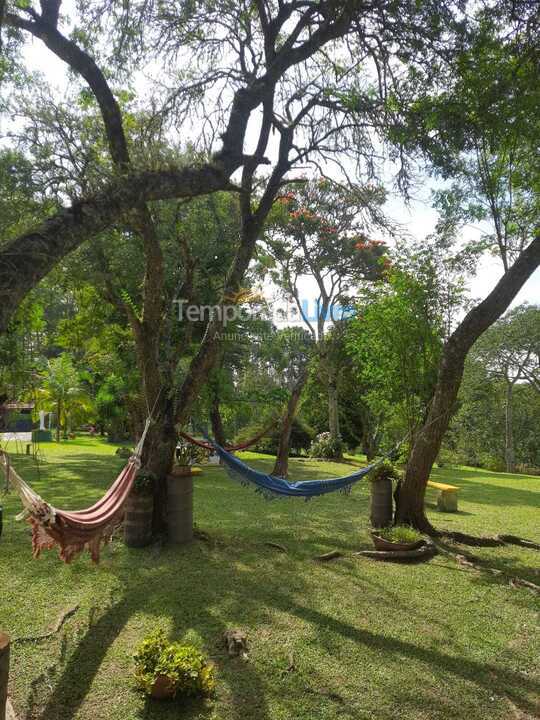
(475, 487)
(488, 676)
(245, 691)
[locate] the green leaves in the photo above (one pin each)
(185, 668)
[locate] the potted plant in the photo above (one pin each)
(164, 670)
(399, 537)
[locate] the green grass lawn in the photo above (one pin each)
(429, 641)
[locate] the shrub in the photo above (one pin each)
(400, 534)
(124, 452)
(491, 462)
(527, 470)
(186, 669)
(324, 446)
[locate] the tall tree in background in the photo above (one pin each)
(62, 388)
(290, 353)
(509, 352)
(395, 344)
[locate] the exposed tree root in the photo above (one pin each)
(58, 626)
(475, 563)
(515, 540)
(482, 541)
(473, 540)
(426, 551)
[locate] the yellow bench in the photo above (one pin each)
(447, 499)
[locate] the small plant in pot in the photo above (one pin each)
(399, 537)
(164, 670)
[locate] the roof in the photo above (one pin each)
(17, 406)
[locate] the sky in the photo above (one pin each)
(417, 217)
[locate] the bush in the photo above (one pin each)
(324, 446)
(400, 534)
(124, 452)
(527, 470)
(186, 669)
(491, 462)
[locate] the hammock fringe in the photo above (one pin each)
(272, 487)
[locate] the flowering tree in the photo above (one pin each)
(320, 231)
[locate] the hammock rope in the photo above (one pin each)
(74, 531)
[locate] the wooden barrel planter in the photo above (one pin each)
(138, 519)
(180, 507)
(381, 503)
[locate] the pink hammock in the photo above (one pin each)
(229, 448)
(74, 531)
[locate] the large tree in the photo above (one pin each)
(309, 79)
(482, 133)
(259, 62)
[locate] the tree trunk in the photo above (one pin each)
(158, 458)
(370, 445)
(333, 406)
(216, 422)
(509, 427)
(370, 434)
(158, 453)
(281, 466)
(429, 438)
(58, 420)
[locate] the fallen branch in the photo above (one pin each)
(332, 555)
(201, 535)
(65, 615)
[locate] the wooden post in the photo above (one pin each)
(4, 673)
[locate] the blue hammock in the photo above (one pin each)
(271, 486)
